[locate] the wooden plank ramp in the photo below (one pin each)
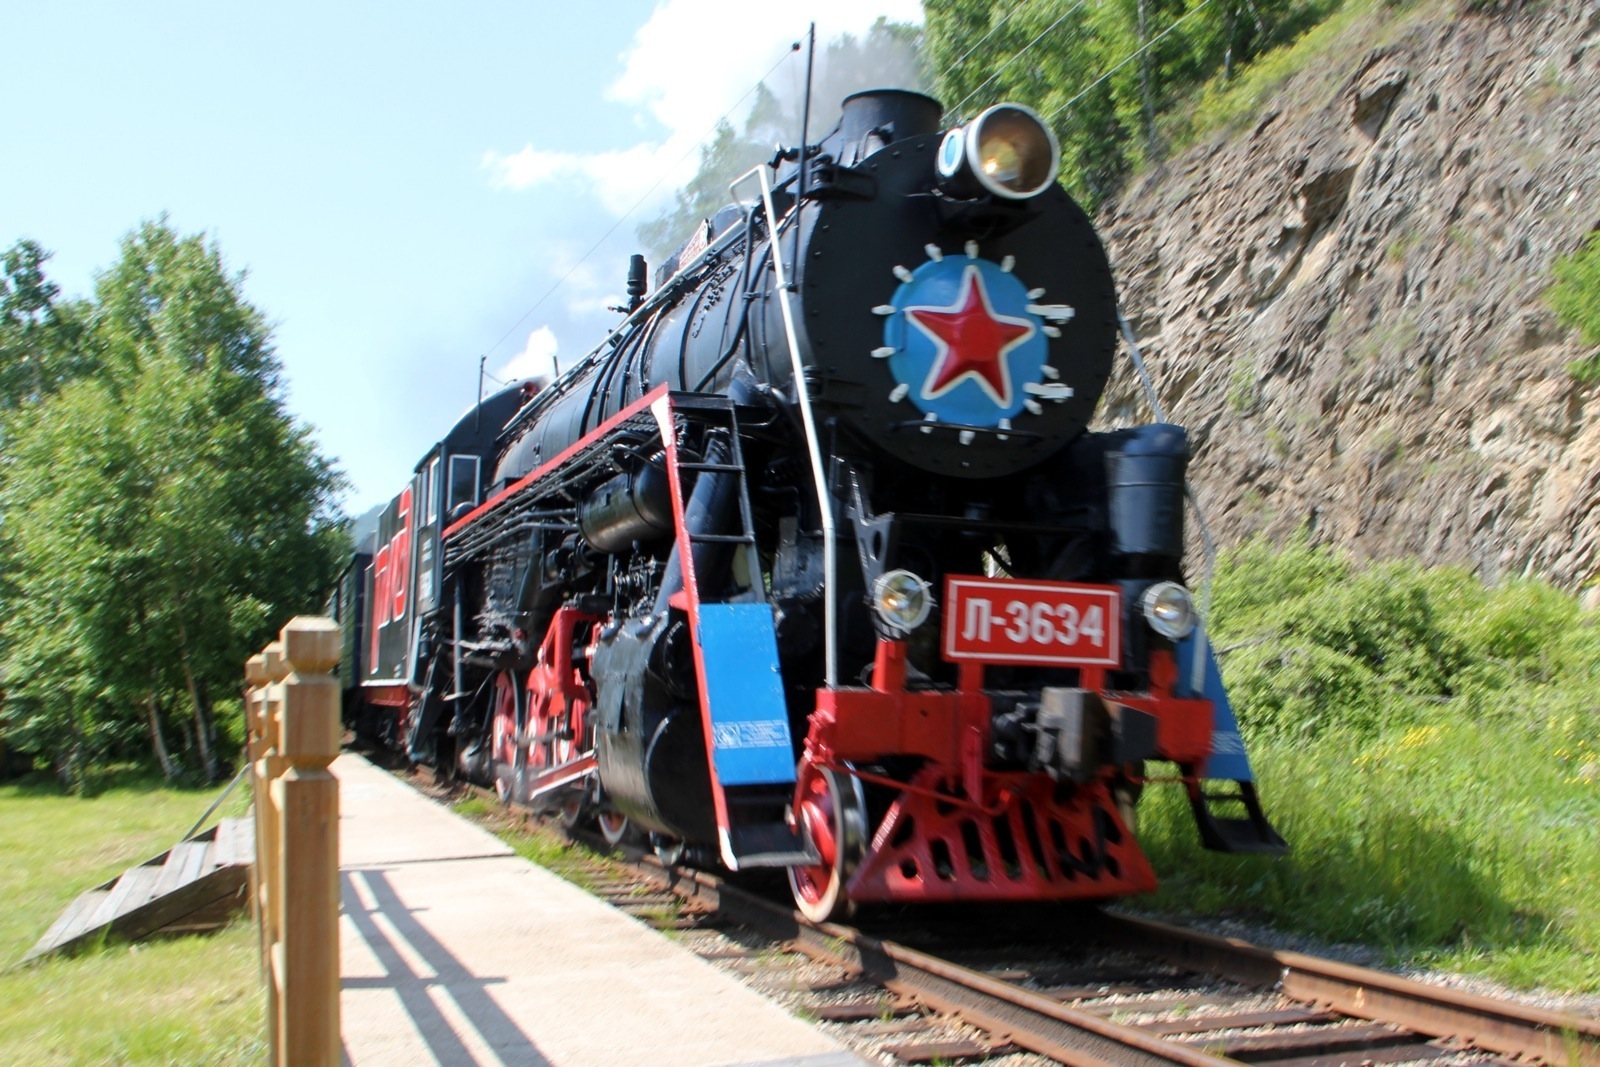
(196, 885)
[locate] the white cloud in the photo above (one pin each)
(689, 65)
(620, 179)
(692, 59)
(537, 358)
(591, 280)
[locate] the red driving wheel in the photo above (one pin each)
(830, 813)
(504, 745)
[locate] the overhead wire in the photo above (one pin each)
(1018, 6)
(1016, 56)
(1135, 54)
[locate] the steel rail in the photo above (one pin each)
(1497, 1026)
(1050, 1028)
(1014, 1015)
(1043, 1025)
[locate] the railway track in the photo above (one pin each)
(1086, 988)
(1207, 1000)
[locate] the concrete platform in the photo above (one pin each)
(456, 951)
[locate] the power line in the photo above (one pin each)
(1015, 56)
(1135, 54)
(992, 31)
(640, 202)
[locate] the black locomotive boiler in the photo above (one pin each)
(814, 562)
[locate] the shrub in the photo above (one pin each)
(1430, 748)
(1575, 296)
(1309, 641)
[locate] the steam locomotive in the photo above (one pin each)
(814, 562)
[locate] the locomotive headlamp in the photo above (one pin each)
(901, 600)
(1007, 151)
(1169, 610)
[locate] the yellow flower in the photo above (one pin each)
(1418, 736)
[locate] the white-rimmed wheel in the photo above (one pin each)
(831, 813)
(613, 825)
(574, 806)
(506, 754)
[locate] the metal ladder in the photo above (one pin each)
(748, 747)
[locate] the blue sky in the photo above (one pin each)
(402, 182)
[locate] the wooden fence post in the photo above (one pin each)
(306, 881)
(265, 672)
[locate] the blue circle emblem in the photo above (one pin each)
(966, 347)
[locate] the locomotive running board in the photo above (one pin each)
(769, 845)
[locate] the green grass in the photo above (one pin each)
(535, 843)
(185, 1001)
(1458, 844)
(194, 1000)
(1431, 750)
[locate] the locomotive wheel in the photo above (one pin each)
(506, 756)
(573, 809)
(613, 826)
(831, 813)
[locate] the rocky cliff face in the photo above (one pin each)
(1343, 303)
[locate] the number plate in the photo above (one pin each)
(1003, 620)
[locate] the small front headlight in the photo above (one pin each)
(1169, 610)
(901, 600)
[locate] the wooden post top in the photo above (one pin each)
(311, 644)
(255, 670)
(272, 661)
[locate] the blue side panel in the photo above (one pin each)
(1228, 759)
(749, 723)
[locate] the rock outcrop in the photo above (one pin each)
(1343, 303)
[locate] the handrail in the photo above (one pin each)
(802, 393)
(217, 803)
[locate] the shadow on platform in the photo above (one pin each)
(396, 939)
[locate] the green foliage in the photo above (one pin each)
(1106, 76)
(163, 514)
(1313, 643)
(39, 334)
(1585, 371)
(885, 56)
(1316, 36)
(1429, 746)
(1242, 390)
(1575, 296)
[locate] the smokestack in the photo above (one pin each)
(884, 116)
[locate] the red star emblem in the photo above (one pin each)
(972, 341)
